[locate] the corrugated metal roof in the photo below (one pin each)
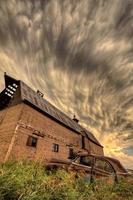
(32, 97)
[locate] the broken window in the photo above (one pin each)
(55, 148)
(31, 141)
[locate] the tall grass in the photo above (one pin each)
(30, 181)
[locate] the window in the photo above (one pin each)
(71, 154)
(108, 167)
(87, 160)
(100, 164)
(55, 148)
(31, 141)
(83, 142)
(104, 165)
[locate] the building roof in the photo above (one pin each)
(31, 97)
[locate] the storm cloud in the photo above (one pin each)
(80, 55)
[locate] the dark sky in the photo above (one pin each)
(79, 53)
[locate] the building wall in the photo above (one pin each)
(8, 120)
(19, 122)
(94, 149)
(32, 121)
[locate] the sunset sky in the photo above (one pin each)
(79, 53)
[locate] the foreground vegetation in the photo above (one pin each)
(29, 181)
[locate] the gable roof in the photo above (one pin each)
(31, 97)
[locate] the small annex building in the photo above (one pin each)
(32, 128)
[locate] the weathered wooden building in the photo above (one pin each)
(32, 128)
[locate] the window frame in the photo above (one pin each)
(55, 147)
(32, 141)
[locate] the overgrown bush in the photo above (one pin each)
(30, 181)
